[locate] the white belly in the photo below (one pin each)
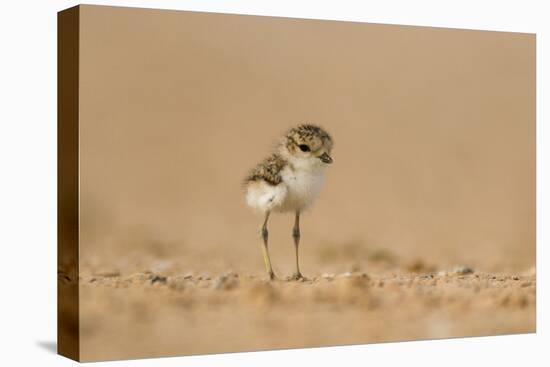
(303, 188)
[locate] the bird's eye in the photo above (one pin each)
(303, 148)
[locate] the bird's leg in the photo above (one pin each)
(296, 236)
(267, 261)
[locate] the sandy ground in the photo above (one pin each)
(149, 314)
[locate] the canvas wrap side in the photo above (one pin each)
(68, 22)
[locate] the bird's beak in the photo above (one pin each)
(325, 158)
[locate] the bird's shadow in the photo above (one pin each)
(49, 345)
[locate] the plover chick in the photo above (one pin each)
(289, 180)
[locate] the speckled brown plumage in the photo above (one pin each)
(268, 170)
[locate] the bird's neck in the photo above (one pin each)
(307, 165)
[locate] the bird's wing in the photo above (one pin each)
(268, 170)
(264, 185)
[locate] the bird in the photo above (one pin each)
(289, 180)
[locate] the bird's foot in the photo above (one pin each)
(296, 277)
(271, 276)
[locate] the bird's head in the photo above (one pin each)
(307, 145)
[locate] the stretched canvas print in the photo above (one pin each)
(240, 183)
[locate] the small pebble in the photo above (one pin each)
(231, 274)
(158, 279)
(463, 270)
(204, 276)
(108, 274)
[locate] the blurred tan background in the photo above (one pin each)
(434, 135)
